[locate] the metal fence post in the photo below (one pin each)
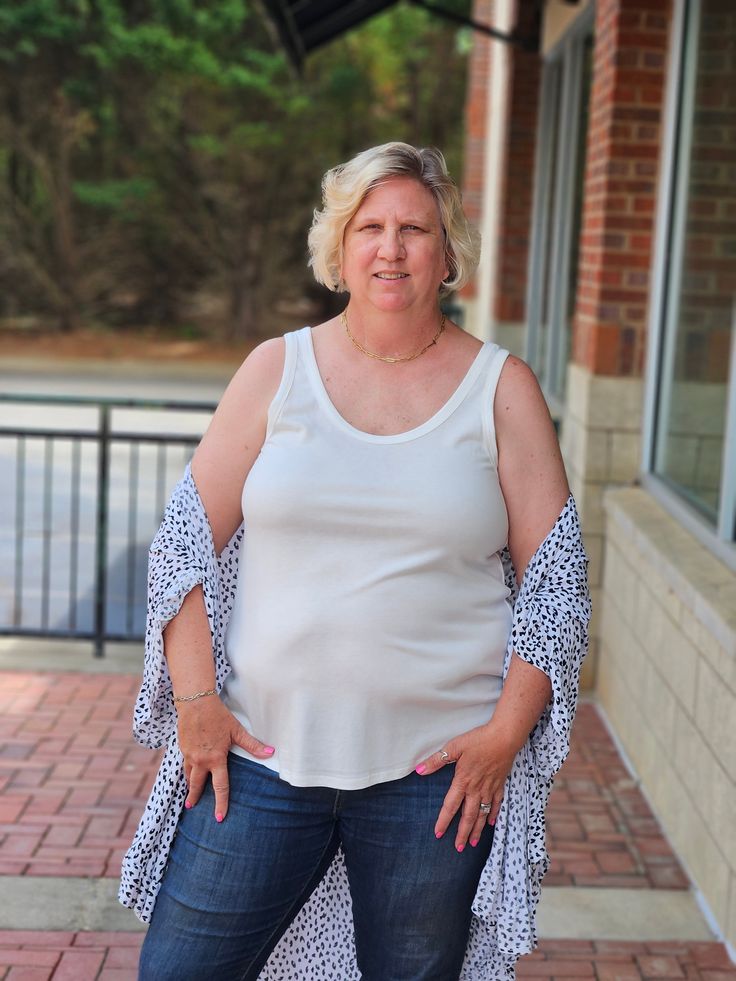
(103, 483)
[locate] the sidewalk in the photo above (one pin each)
(617, 905)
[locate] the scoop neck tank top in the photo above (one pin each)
(371, 616)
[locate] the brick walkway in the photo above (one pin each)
(600, 830)
(35, 956)
(73, 782)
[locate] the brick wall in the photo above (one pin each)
(514, 234)
(624, 135)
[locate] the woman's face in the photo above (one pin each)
(394, 248)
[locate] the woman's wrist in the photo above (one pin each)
(507, 740)
(195, 695)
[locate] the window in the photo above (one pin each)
(558, 195)
(691, 439)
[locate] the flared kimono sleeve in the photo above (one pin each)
(181, 556)
(550, 631)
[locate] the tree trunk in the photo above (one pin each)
(65, 246)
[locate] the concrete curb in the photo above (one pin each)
(60, 903)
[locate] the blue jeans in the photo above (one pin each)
(231, 890)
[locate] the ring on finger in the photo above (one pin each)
(445, 756)
(486, 808)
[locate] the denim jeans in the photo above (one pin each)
(231, 890)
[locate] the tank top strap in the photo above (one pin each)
(493, 367)
(291, 341)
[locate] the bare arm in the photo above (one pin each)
(534, 485)
(220, 466)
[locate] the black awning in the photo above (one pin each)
(303, 25)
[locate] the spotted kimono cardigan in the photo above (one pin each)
(551, 611)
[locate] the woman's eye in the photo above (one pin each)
(414, 228)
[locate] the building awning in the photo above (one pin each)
(303, 25)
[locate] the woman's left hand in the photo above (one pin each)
(482, 759)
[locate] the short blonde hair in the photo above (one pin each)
(345, 187)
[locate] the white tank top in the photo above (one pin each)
(371, 615)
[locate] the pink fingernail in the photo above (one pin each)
(269, 749)
(187, 805)
(421, 768)
(460, 847)
(438, 834)
(474, 842)
(219, 818)
(493, 822)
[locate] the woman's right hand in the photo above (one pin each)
(207, 729)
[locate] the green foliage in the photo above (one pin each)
(154, 150)
(113, 195)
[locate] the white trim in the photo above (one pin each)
(496, 146)
(727, 509)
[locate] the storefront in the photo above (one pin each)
(603, 176)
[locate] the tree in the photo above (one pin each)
(154, 150)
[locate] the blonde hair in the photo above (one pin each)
(345, 187)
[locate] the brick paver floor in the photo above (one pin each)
(73, 783)
(600, 829)
(36, 956)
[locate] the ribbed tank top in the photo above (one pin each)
(371, 615)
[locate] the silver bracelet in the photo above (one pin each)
(191, 698)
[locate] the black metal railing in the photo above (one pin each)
(79, 505)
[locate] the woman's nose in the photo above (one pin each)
(391, 245)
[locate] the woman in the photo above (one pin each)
(336, 772)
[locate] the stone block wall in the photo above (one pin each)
(601, 446)
(667, 682)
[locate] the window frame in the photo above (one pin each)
(564, 63)
(666, 277)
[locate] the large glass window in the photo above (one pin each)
(558, 195)
(695, 428)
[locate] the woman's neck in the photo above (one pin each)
(392, 333)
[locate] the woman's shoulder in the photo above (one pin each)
(519, 391)
(262, 369)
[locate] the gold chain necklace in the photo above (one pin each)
(380, 357)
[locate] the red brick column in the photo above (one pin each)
(514, 236)
(624, 138)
